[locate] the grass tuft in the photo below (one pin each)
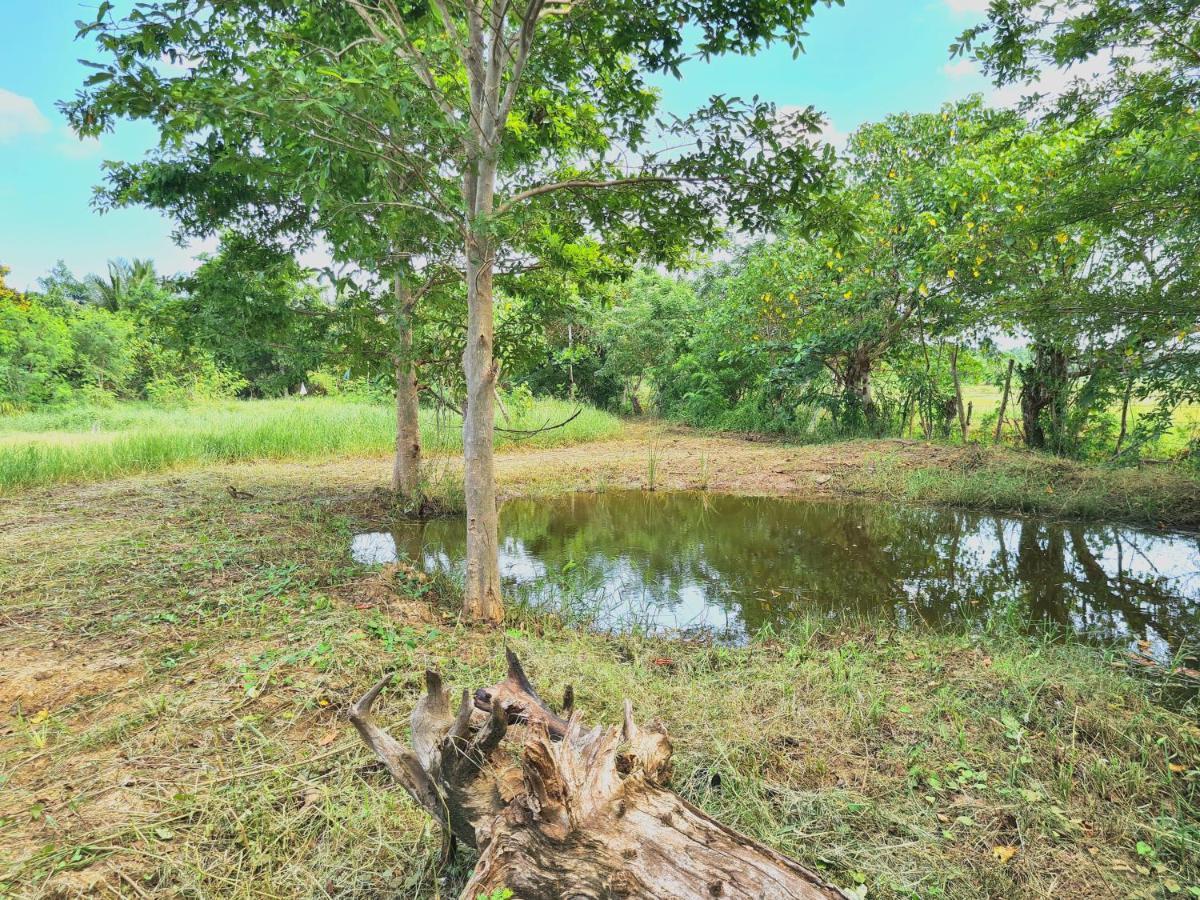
(1005, 480)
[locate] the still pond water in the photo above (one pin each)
(692, 561)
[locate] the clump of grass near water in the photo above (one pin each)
(96, 443)
(1005, 480)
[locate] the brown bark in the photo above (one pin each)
(964, 422)
(1004, 401)
(573, 813)
(406, 469)
(481, 588)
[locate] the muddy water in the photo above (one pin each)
(735, 564)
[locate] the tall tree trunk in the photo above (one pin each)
(1044, 383)
(406, 469)
(574, 812)
(481, 589)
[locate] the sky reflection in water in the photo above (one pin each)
(733, 564)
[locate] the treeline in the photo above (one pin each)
(248, 322)
(961, 247)
(947, 245)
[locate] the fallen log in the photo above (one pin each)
(557, 811)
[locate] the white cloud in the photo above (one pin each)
(1054, 81)
(828, 133)
(963, 68)
(20, 115)
(74, 147)
(831, 134)
(967, 6)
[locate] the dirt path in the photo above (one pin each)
(674, 458)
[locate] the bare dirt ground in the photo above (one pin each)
(684, 459)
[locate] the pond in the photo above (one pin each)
(730, 565)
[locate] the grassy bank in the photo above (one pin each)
(175, 667)
(93, 443)
(1024, 482)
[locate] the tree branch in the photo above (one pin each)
(572, 183)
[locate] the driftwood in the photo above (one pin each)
(559, 811)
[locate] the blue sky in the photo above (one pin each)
(862, 61)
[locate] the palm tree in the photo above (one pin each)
(112, 293)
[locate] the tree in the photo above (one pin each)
(642, 330)
(276, 146)
(870, 275)
(115, 292)
(34, 346)
(470, 61)
(256, 311)
(1122, 193)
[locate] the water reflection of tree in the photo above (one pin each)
(763, 559)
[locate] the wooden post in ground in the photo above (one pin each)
(1004, 401)
(964, 423)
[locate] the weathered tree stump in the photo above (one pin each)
(557, 811)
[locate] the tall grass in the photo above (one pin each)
(94, 443)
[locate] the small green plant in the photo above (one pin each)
(651, 467)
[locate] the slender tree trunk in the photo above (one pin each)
(1004, 401)
(481, 590)
(964, 423)
(571, 359)
(406, 470)
(1124, 417)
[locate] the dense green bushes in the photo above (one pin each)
(946, 247)
(249, 321)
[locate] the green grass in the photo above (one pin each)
(985, 398)
(96, 443)
(1005, 480)
(182, 682)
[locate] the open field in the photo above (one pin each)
(986, 400)
(91, 443)
(79, 444)
(175, 668)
